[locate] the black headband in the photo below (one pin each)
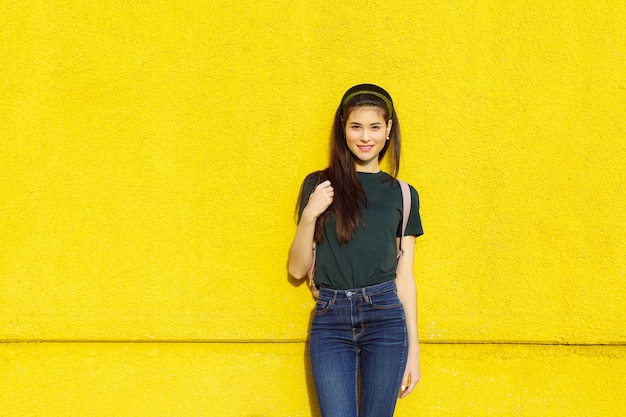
(369, 89)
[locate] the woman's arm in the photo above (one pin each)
(407, 292)
(301, 250)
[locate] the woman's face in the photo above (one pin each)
(366, 135)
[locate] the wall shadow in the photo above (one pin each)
(308, 373)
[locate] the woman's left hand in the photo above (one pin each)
(412, 375)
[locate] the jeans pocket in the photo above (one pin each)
(384, 300)
(322, 305)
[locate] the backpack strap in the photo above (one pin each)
(312, 267)
(406, 210)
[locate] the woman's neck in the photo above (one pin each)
(371, 168)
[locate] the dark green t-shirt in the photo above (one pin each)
(370, 256)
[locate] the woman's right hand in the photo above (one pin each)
(321, 198)
(300, 252)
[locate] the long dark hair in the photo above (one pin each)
(341, 171)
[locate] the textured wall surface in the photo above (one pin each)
(151, 155)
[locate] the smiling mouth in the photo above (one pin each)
(365, 148)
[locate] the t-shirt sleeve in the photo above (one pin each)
(308, 186)
(414, 225)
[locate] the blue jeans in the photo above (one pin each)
(359, 348)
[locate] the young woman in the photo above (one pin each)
(363, 342)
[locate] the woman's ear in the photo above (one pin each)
(389, 124)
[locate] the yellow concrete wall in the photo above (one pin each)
(151, 157)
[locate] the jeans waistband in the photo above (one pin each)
(364, 291)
